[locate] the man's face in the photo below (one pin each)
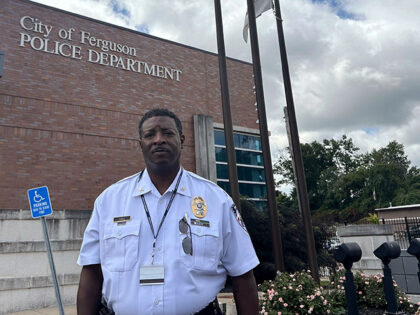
(161, 143)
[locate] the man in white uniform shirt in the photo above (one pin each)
(163, 241)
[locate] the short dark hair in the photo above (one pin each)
(161, 112)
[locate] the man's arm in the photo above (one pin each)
(90, 290)
(245, 293)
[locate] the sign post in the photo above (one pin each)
(39, 201)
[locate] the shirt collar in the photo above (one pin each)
(144, 184)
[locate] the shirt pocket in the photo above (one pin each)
(206, 248)
(121, 246)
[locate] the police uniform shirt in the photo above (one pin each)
(221, 245)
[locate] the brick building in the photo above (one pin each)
(73, 90)
(71, 94)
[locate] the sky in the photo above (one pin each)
(354, 64)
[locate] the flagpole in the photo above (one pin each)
(227, 117)
(295, 149)
(271, 196)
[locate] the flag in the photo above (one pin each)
(260, 7)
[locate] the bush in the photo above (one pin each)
(298, 293)
(370, 291)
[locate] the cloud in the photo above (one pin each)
(353, 63)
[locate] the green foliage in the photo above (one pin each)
(370, 291)
(324, 163)
(298, 293)
(341, 180)
(410, 192)
(373, 218)
(258, 225)
(294, 241)
(293, 237)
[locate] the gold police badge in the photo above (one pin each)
(198, 207)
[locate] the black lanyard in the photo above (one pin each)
(146, 209)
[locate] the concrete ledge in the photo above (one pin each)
(37, 282)
(365, 230)
(24, 214)
(369, 265)
(35, 298)
(240, 129)
(18, 226)
(39, 246)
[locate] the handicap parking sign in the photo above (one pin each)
(39, 201)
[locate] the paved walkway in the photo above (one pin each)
(68, 310)
(224, 298)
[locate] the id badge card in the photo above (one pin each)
(152, 275)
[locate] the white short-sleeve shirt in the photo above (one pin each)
(221, 247)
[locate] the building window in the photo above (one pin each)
(250, 166)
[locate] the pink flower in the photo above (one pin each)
(280, 299)
(318, 293)
(360, 292)
(301, 306)
(325, 302)
(328, 311)
(285, 304)
(278, 313)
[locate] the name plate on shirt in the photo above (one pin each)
(200, 222)
(121, 220)
(151, 275)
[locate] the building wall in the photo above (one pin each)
(395, 212)
(71, 124)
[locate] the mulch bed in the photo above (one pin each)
(373, 311)
(370, 311)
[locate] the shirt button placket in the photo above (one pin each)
(158, 289)
(157, 299)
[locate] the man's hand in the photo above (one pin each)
(245, 293)
(90, 290)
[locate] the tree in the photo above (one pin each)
(339, 179)
(323, 164)
(409, 193)
(293, 237)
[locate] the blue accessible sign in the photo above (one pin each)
(39, 200)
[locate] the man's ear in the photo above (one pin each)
(182, 141)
